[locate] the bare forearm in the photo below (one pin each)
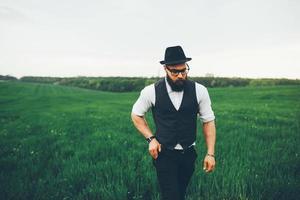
(142, 126)
(209, 132)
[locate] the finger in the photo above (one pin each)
(207, 170)
(204, 165)
(209, 167)
(155, 155)
(159, 148)
(152, 153)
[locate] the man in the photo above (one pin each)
(175, 102)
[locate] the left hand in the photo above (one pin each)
(209, 163)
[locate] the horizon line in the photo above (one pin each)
(84, 76)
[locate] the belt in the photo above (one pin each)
(178, 150)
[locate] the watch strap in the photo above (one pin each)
(149, 139)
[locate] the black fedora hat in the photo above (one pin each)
(174, 55)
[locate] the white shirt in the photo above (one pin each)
(147, 98)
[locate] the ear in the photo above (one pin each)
(165, 68)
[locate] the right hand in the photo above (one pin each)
(154, 148)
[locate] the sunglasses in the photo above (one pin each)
(183, 72)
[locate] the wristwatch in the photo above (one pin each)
(149, 139)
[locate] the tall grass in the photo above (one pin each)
(67, 143)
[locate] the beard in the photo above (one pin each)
(177, 85)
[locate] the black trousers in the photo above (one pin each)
(174, 170)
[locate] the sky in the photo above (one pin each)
(233, 38)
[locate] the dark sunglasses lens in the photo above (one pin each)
(176, 72)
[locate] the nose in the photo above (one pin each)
(180, 75)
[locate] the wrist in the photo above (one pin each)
(210, 151)
(210, 155)
(149, 139)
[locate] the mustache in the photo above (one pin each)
(180, 80)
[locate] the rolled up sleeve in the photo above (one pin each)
(206, 113)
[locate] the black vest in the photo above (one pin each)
(174, 126)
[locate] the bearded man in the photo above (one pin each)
(175, 102)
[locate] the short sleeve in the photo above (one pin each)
(206, 113)
(145, 101)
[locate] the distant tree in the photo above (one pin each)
(127, 84)
(7, 77)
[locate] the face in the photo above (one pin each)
(176, 76)
(178, 67)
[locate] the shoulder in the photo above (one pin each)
(148, 90)
(201, 91)
(200, 87)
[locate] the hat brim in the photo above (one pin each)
(174, 62)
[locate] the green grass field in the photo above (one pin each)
(68, 143)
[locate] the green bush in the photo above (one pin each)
(128, 84)
(7, 78)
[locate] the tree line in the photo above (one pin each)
(128, 84)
